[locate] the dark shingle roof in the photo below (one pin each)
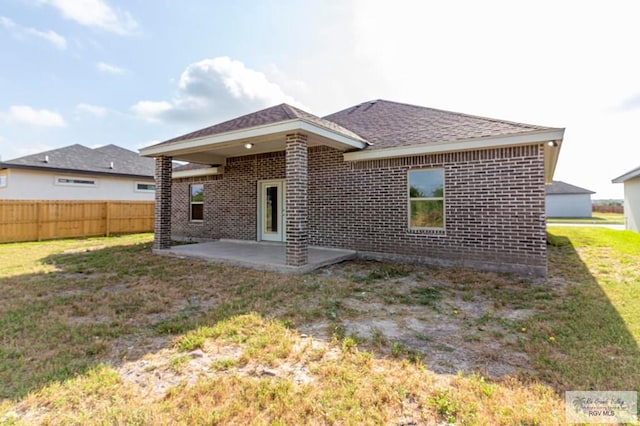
(559, 187)
(384, 124)
(275, 114)
(79, 158)
(389, 124)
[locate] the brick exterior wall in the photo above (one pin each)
(494, 206)
(296, 199)
(163, 210)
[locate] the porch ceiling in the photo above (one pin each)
(217, 148)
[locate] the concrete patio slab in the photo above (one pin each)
(266, 256)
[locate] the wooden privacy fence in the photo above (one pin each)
(30, 220)
(603, 208)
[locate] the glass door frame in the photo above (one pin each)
(261, 210)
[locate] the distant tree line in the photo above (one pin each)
(607, 206)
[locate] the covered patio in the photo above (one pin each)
(266, 256)
(281, 210)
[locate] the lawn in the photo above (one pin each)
(596, 219)
(100, 331)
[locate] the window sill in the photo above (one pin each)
(196, 221)
(427, 231)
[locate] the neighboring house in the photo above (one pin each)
(565, 200)
(631, 181)
(389, 180)
(79, 173)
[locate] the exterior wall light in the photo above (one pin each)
(248, 145)
(552, 144)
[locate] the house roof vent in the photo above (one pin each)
(46, 158)
(111, 165)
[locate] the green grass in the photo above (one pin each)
(73, 312)
(590, 338)
(596, 219)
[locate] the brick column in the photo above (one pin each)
(162, 228)
(296, 200)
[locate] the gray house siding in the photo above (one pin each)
(632, 204)
(568, 205)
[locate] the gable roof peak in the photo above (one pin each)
(292, 111)
(267, 116)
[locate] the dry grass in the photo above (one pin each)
(313, 382)
(101, 331)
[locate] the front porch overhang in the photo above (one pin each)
(215, 149)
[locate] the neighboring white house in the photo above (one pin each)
(79, 173)
(631, 181)
(565, 200)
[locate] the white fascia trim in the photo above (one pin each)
(462, 145)
(629, 175)
(198, 172)
(307, 126)
(192, 145)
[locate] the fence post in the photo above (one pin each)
(108, 219)
(38, 207)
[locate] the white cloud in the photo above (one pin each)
(96, 14)
(32, 149)
(19, 31)
(110, 68)
(22, 114)
(631, 103)
(94, 110)
(151, 110)
(214, 89)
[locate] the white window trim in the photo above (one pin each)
(444, 205)
(4, 180)
(95, 184)
(191, 203)
(136, 189)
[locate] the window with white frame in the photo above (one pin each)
(145, 187)
(75, 181)
(3, 181)
(426, 199)
(196, 202)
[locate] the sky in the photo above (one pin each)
(134, 73)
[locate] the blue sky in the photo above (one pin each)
(138, 72)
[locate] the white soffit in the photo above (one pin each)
(239, 136)
(209, 171)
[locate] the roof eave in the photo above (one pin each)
(629, 175)
(297, 124)
(552, 151)
(73, 171)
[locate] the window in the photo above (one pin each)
(426, 198)
(3, 181)
(75, 181)
(197, 202)
(145, 187)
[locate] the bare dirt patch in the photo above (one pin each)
(465, 322)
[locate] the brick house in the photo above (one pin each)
(389, 180)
